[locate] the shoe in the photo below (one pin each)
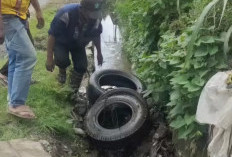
(22, 111)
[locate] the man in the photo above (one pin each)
(4, 69)
(21, 52)
(73, 27)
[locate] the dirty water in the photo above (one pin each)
(111, 45)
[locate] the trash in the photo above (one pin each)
(46, 145)
(79, 131)
(118, 119)
(215, 108)
(229, 81)
(161, 132)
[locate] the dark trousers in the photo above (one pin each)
(78, 55)
(4, 69)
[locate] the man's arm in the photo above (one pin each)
(57, 28)
(50, 65)
(97, 43)
(1, 25)
(39, 14)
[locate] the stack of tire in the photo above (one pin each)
(118, 117)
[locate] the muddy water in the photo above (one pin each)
(111, 47)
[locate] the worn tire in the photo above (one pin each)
(121, 91)
(117, 137)
(111, 77)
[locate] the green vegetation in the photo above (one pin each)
(47, 98)
(176, 46)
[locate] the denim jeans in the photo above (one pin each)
(22, 59)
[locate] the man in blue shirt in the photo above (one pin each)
(73, 27)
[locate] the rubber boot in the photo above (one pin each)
(75, 80)
(62, 76)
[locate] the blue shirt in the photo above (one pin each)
(67, 28)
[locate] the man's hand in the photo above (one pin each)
(99, 59)
(40, 20)
(97, 43)
(39, 15)
(50, 64)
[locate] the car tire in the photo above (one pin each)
(111, 77)
(128, 130)
(121, 91)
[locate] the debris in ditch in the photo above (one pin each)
(161, 132)
(162, 145)
(46, 145)
(79, 131)
(108, 88)
(81, 109)
(81, 104)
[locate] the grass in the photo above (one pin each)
(41, 35)
(47, 98)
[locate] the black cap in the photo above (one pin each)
(93, 7)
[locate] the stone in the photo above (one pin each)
(79, 131)
(82, 90)
(6, 150)
(27, 148)
(22, 148)
(161, 132)
(46, 145)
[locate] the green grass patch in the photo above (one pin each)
(41, 35)
(47, 98)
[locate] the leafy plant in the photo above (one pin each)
(176, 46)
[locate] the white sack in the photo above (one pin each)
(215, 108)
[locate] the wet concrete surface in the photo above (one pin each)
(112, 48)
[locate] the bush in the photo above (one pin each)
(176, 47)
